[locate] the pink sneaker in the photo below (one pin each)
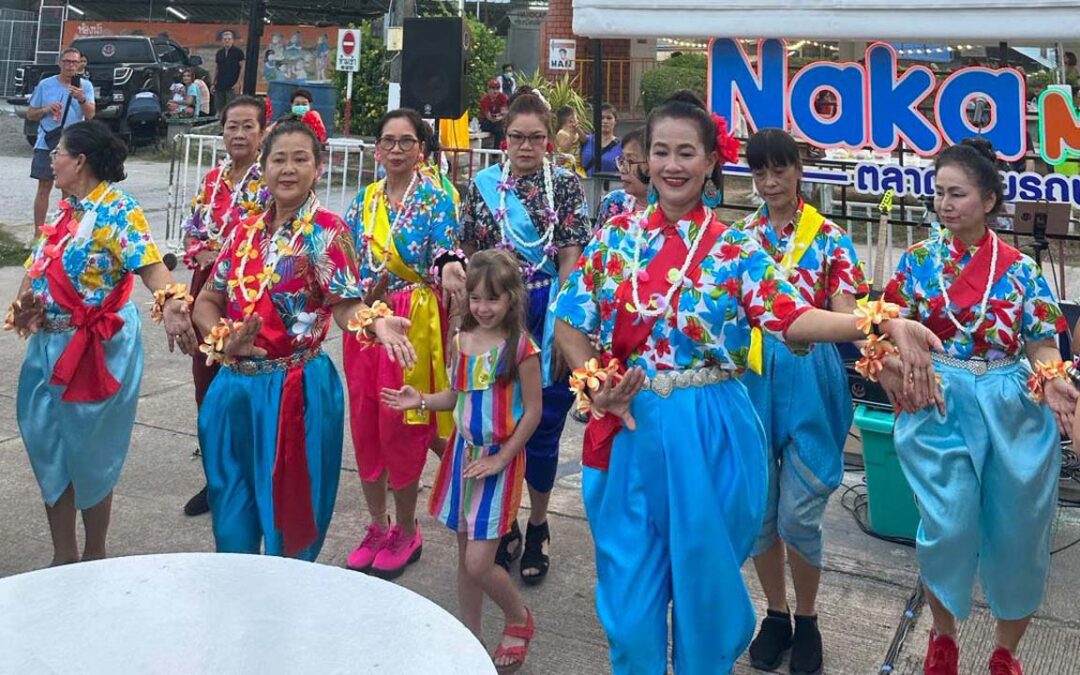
(397, 554)
(1002, 662)
(364, 554)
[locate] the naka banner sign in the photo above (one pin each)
(874, 105)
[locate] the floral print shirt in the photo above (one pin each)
(112, 240)
(431, 231)
(1021, 306)
(827, 268)
(208, 224)
(311, 275)
(738, 289)
(613, 204)
(572, 228)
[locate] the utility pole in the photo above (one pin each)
(401, 10)
(254, 38)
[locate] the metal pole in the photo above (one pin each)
(598, 100)
(348, 101)
(254, 38)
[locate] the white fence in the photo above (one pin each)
(350, 164)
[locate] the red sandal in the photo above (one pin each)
(518, 652)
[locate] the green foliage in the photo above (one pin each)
(563, 91)
(1040, 80)
(687, 71)
(371, 86)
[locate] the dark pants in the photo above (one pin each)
(202, 373)
(222, 98)
(493, 128)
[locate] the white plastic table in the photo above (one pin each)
(221, 613)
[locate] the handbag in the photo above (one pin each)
(52, 137)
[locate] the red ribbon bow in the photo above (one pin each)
(727, 146)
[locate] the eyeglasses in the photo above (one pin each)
(624, 164)
(406, 143)
(71, 62)
(520, 139)
(55, 152)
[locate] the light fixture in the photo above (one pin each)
(177, 13)
(73, 8)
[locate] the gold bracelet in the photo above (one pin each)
(214, 344)
(365, 317)
(163, 295)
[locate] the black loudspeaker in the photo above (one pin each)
(433, 57)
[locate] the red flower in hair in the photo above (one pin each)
(727, 146)
(502, 145)
(550, 147)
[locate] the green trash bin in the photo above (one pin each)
(890, 501)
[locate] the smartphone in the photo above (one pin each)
(76, 80)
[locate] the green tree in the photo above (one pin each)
(686, 71)
(371, 86)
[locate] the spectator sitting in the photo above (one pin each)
(204, 97)
(493, 108)
(189, 104)
(176, 97)
(301, 110)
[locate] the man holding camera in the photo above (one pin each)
(57, 102)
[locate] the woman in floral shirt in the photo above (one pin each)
(272, 422)
(230, 193)
(675, 499)
(538, 212)
(86, 336)
(984, 467)
(406, 228)
(633, 196)
(805, 425)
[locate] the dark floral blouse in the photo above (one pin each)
(479, 229)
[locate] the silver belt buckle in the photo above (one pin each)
(979, 366)
(662, 386)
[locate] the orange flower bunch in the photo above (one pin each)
(872, 312)
(163, 295)
(584, 381)
(1044, 372)
(874, 352)
(365, 317)
(214, 343)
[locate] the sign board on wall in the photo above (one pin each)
(562, 54)
(348, 50)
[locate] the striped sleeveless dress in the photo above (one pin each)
(487, 411)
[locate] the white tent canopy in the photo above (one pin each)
(988, 21)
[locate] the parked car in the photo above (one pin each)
(119, 67)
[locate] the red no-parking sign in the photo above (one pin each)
(348, 50)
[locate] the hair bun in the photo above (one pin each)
(982, 146)
(688, 97)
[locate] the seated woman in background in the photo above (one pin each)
(301, 109)
(610, 147)
(568, 139)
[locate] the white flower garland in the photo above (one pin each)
(986, 293)
(676, 280)
(503, 214)
(275, 249)
(404, 214)
(207, 213)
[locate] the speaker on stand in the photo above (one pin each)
(433, 57)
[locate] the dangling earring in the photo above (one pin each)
(712, 196)
(653, 196)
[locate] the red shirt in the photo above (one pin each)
(491, 106)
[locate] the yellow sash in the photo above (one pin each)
(429, 374)
(810, 222)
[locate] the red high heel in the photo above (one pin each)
(518, 652)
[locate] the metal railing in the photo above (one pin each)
(349, 165)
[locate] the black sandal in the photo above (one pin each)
(511, 541)
(534, 558)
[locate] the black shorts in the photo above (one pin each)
(41, 165)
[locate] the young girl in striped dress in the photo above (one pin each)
(496, 401)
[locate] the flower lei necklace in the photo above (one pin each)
(510, 240)
(986, 292)
(277, 249)
(207, 212)
(52, 251)
(676, 277)
(403, 216)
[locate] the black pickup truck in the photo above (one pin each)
(119, 67)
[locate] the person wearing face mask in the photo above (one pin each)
(805, 427)
(538, 212)
(406, 229)
(301, 109)
(674, 477)
(610, 147)
(271, 426)
(633, 196)
(984, 467)
(230, 193)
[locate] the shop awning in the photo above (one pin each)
(988, 21)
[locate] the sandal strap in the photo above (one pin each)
(517, 652)
(523, 631)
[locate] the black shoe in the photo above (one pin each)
(198, 505)
(806, 657)
(534, 558)
(773, 639)
(509, 547)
